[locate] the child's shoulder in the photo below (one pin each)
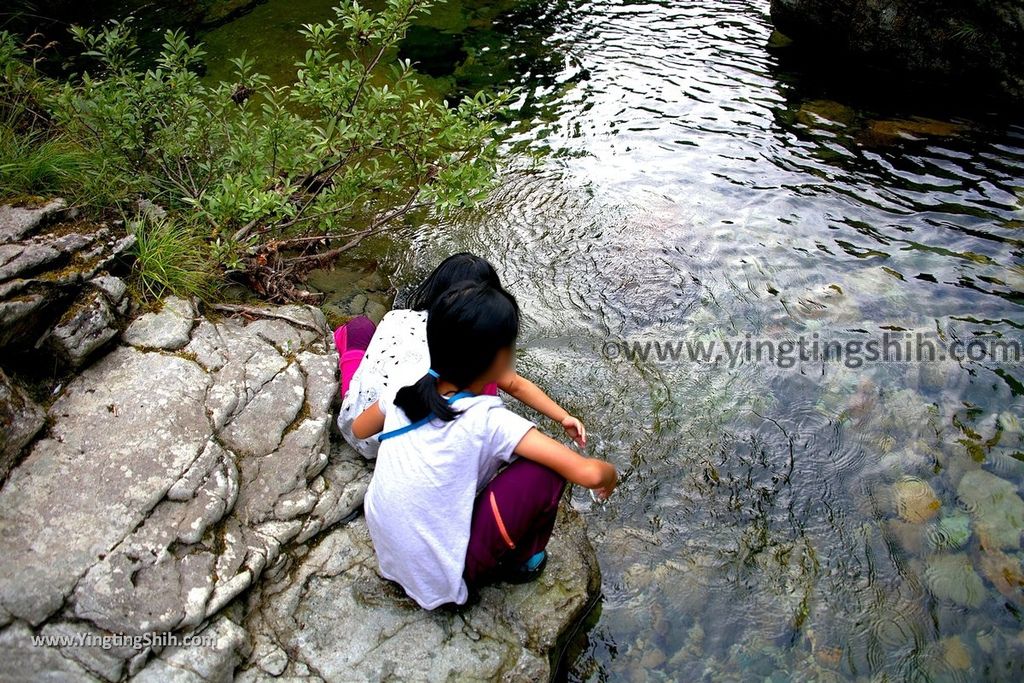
(479, 404)
(403, 316)
(485, 410)
(486, 420)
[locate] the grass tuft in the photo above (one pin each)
(32, 164)
(170, 258)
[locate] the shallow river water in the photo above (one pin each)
(828, 520)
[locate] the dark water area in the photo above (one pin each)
(677, 179)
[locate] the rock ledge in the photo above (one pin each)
(188, 485)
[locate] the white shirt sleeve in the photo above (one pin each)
(506, 430)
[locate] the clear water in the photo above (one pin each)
(805, 523)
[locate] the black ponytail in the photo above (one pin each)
(466, 328)
(422, 399)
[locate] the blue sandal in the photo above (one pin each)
(529, 570)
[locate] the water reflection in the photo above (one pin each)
(817, 523)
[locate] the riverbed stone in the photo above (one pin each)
(166, 329)
(915, 500)
(951, 577)
(995, 507)
(375, 311)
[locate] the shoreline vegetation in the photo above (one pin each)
(244, 182)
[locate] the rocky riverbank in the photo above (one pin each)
(978, 44)
(187, 482)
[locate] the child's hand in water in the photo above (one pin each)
(609, 480)
(575, 430)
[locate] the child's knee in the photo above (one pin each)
(546, 479)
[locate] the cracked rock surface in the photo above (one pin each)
(56, 291)
(330, 617)
(165, 486)
(187, 485)
(21, 418)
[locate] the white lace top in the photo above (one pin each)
(396, 357)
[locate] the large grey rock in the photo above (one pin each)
(84, 329)
(169, 482)
(19, 222)
(122, 434)
(20, 420)
(166, 329)
(980, 43)
(198, 492)
(22, 660)
(331, 614)
(224, 646)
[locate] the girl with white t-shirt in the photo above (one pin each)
(374, 361)
(442, 513)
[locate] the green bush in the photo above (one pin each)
(277, 179)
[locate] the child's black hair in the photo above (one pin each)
(461, 267)
(466, 328)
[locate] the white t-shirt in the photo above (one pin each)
(419, 504)
(396, 357)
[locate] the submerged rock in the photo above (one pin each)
(890, 131)
(950, 532)
(817, 112)
(1009, 422)
(915, 499)
(955, 654)
(1005, 573)
(951, 577)
(997, 510)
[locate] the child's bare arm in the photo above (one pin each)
(589, 472)
(529, 393)
(369, 422)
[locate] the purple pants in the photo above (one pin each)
(512, 519)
